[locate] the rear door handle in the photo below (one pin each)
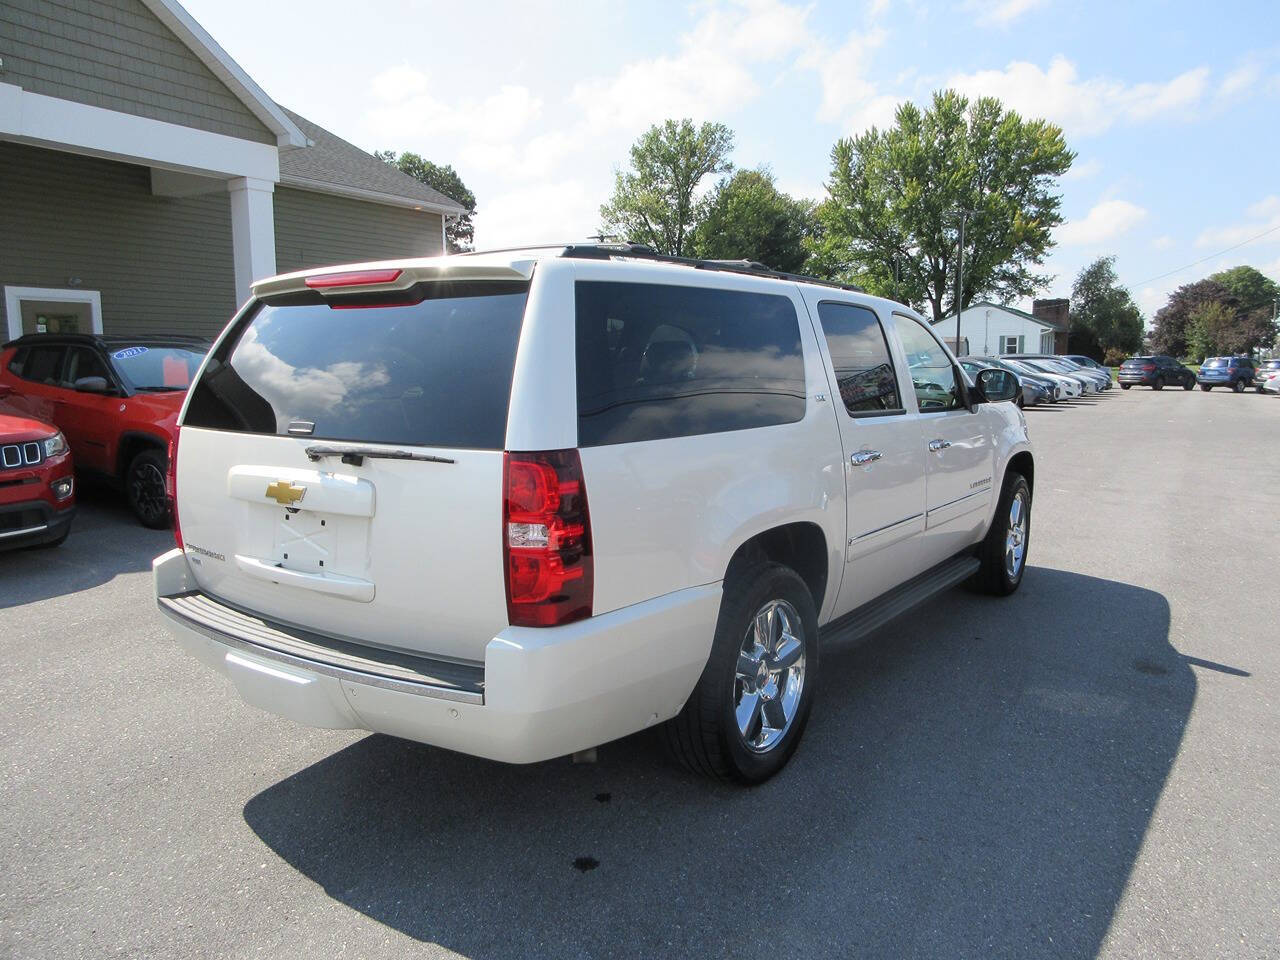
(938, 445)
(864, 457)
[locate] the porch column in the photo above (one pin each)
(253, 232)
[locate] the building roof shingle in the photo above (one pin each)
(332, 161)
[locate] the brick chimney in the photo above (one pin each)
(1056, 313)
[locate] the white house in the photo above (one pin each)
(989, 329)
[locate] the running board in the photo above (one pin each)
(870, 616)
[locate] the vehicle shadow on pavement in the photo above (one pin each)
(976, 780)
(105, 541)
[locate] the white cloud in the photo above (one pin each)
(1082, 171)
(709, 75)
(548, 212)
(850, 96)
(1081, 107)
(1162, 242)
(1107, 220)
(408, 110)
(1001, 12)
(1260, 217)
(1240, 80)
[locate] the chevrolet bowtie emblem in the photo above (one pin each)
(285, 493)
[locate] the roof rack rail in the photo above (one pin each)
(640, 251)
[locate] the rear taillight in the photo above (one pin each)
(546, 544)
(351, 278)
(1148, 366)
(171, 487)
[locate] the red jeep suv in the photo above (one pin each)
(115, 398)
(37, 490)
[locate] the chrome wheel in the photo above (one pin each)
(770, 675)
(1015, 543)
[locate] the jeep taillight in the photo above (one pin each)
(171, 487)
(546, 545)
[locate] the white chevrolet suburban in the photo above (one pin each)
(522, 503)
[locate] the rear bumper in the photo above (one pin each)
(541, 693)
(32, 523)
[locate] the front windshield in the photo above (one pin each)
(156, 368)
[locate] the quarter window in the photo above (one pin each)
(659, 360)
(43, 364)
(932, 374)
(860, 358)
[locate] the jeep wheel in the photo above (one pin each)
(1206, 387)
(1159, 384)
(145, 488)
(744, 718)
(1188, 384)
(1125, 386)
(1004, 552)
(1238, 386)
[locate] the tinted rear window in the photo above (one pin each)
(434, 373)
(1216, 362)
(658, 360)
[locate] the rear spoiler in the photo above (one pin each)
(390, 276)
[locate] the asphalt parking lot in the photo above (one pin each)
(1091, 768)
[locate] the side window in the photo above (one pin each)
(860, 356)
(19, 361)
(932, 375)
(44, 365)
(660, 360)
(83, 362)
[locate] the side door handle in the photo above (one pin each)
(939, 445)
(864, 457)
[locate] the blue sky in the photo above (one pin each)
(1173, 108)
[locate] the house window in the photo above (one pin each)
(1010, 344)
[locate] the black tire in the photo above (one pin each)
(994, 576)
(705, 736)
(1125, 386)
(1159, 384)
(144, 486)
(1238, 386)
(1188, 384)
(1206, 387)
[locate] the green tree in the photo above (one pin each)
(748, 218)
(1104, 317)
(1209, 328)
(1254, 323)
(654, 201)
(1170, 333)
(459, 232)
(896, 196)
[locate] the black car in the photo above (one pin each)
(1266, 369)
(1155, 372)
(1237, 373)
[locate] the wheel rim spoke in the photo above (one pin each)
(748, 666)
(748, 714)
(790, 650)
(774, 715)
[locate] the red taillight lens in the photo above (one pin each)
(1148, 366)
(352, 278)
(546, 543)
(171, 487)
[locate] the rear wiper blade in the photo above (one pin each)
(354, 453)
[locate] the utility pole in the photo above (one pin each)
(960, 279)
